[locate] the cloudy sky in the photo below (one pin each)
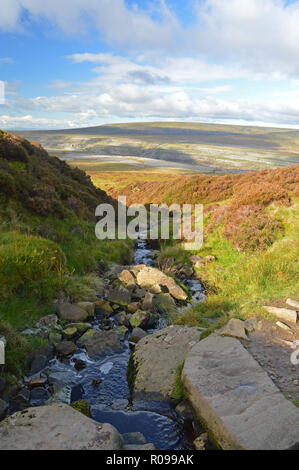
(76, 63)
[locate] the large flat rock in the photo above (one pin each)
(156, 360)
(236, 399)
(56, 427)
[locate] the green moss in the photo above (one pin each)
(82, 406)
(178, 387)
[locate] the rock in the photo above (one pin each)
(201, 442)
(119, 296)
(151, 277)
(20, 400)
(70, 332)
(66, 348)
(196, 259)
(156, 360)
(136, 335)
(133, 438)
(283, 326)
(123, 319)
(56, 427)
(71, 313)
(80, 327)
(147, 303)
(235, 398)
(185, 411)
(186, 271)
(163, 303)
(103, 308)
(143, 320)
(63, 395)
(139, 294)
(133, 307)
(120, 404)
(55, 338)
(100, 343)
(37, 382)
(38, 396)
(253, 324)
(292, 303)
(38, 363)
(82, 406)
(49, 321)
(234, 328)
(88, 307)
(60, 378)
(3, 410)
(283, 313)
(210, 258)
(3, 385)
(79, 364)
(127, 279)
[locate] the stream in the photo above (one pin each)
(103, 384)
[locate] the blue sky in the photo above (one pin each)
(76, 63)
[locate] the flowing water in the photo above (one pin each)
(103, 384)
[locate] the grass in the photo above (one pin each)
(178, 387)
(239, 284)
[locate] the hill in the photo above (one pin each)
(48, 248)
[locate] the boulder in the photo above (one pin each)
(56, 427)
(103, 309)
(71, 313)
(66, 348)
(236, 400)
(49, 321)
(55, 338)
(126, 278)
(88, 307)
(64, 395)
(149, 278)
(283, 313)
(101, 343)
(119, 295)
(144, 320)
(156, 360)
(70, 332)
(234, 328)
(133, 307)
(163, 303)
(80, 327)
(136, 335)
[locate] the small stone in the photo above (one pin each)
(81, 327)
(49, 321)
(79, 364)
(71, 312)
(133, 307)
(55, 338)
(234, 328)
(293, 303)
(103, 308)
(127, 279)
(147, 303)
(62, 396)
(136, 335)
(283, 313)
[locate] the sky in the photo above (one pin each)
(80, 63)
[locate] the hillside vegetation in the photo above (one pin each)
(48, 248)
(251, 224)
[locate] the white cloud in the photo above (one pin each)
(30, 122)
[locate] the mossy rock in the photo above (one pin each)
(82, 406)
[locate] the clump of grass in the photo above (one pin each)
(177, 393)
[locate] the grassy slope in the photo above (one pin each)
(47, 243)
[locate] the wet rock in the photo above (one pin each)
(123, 319)
(201, 442)
(103, 309)
(150, 278)
(82, 406)
(38, 396)
(147, 303)
(156, 360)
(119, 295)
(140, 447)
(234, 328)
(59, 379)
(20, 401)
(283, 313)
(121, 331)
(100, 343)
(70, 332)
(292, 303)
(37, 382)
(143, 320)
(136, 335)
(80, 327)
(133, 438)
(66, 349)
(139, 294)
(61, 396)
(163, 303)
(236, 399)
(71, 313)
(185, 411)
(38, 358)
(56, 427)
(126, 278)
(120, 404)
(79, 364)
(88, 307)
(3, 410)
(38, 363)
